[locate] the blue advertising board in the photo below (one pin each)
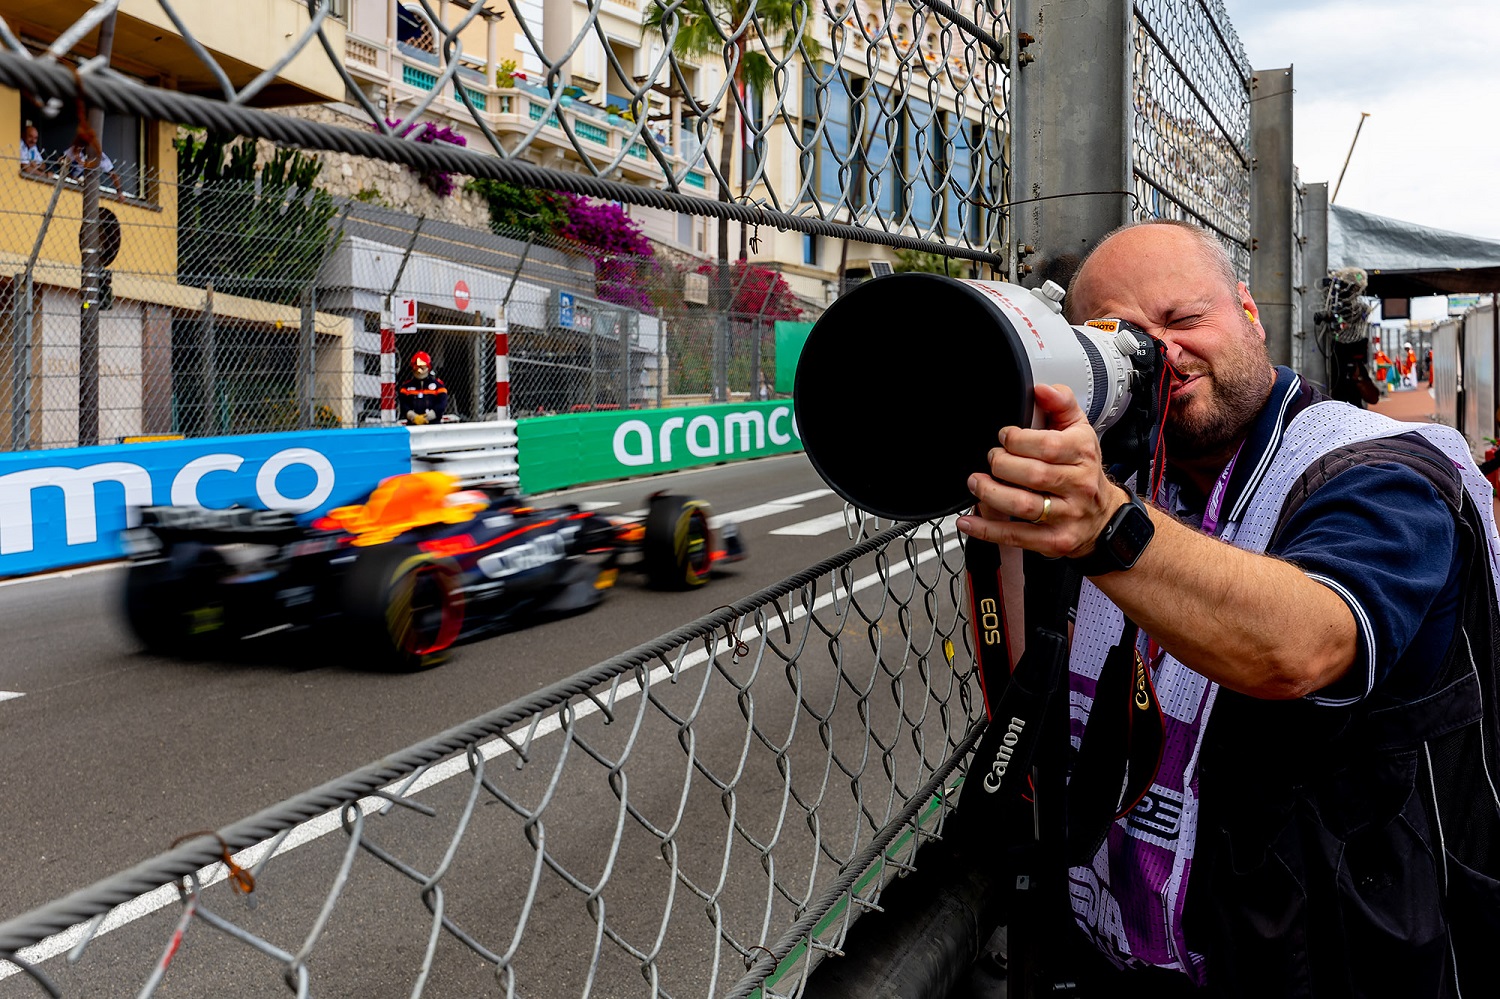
(68, 506)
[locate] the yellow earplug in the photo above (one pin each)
(1249, 316)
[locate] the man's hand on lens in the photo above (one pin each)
(1046, 490)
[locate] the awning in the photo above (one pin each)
(1406, 260)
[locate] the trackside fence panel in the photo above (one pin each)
(813, 735)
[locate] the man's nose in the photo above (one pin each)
(1174, 349)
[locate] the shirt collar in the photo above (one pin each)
(1289, 396)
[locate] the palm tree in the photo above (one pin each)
(708, 28)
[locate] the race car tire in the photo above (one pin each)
(402, 609)
(676, 550)
(168, 605)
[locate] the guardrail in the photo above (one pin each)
(473, 452)
(710, 811)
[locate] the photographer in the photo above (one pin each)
(1280, 851)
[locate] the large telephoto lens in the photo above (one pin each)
(904, 383)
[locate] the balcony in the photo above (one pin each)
(512, 112)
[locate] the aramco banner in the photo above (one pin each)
(561, 451)
(68, 506)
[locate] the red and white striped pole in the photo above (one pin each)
(502, 365)
(387, 370)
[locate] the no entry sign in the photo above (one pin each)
(461, 296)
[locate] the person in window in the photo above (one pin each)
(423, 397)
(77, 158)
(33, 163)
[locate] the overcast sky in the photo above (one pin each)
(1429, 75)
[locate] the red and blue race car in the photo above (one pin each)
(397, 581)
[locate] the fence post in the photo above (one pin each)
(1071, 108)
(306, 360)
(1271, 193)
(723, 297)
(210, 366)
(1315, 368)
(502, 364)
(627, 326)
(755, 335)
(661, 359)
(20, 400)
(387, 368)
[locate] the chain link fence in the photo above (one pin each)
(1190, 141)
(259, 310)
(703, 815)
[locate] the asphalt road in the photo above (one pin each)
(113, 754)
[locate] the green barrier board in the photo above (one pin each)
(561, 451)
(790, 337)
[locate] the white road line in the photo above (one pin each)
(597, 505)
(812, 528)
(771, 508)
(10, 695)
(322, 825)
(62, 574)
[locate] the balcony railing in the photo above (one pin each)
(524, 103)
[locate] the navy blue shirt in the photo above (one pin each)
(1379, 536)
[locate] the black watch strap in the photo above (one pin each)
(1122, 541)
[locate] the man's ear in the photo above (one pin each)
(1252, 311)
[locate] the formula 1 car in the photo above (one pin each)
(395, 582)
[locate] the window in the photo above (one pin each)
(882, 140)
(962, 215)
(123, 139)
(755, 131)
(831, 162)
(809, 248)
(920, 163)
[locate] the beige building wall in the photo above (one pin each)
(244, 36)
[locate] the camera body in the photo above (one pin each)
(905, 382)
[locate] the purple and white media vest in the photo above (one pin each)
(1129, 899)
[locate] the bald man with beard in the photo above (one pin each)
(1281, 850)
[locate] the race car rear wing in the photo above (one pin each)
(236, 524)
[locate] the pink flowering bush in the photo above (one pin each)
(762, 291)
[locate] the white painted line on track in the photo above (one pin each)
(10, 695)
(62, 574)
(322, 825)
(771, 508)
(592, 505)
(816, 526)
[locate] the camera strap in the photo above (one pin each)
(1120, 751)
(1016, 699)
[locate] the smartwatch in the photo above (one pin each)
(1122, 541)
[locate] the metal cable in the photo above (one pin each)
(120, 96)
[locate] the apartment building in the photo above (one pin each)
(904, 125)
(151, 356)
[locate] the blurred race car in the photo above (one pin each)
(395, 582)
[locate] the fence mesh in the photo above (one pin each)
(700, 816)
(258, 309)
(1190, 144)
